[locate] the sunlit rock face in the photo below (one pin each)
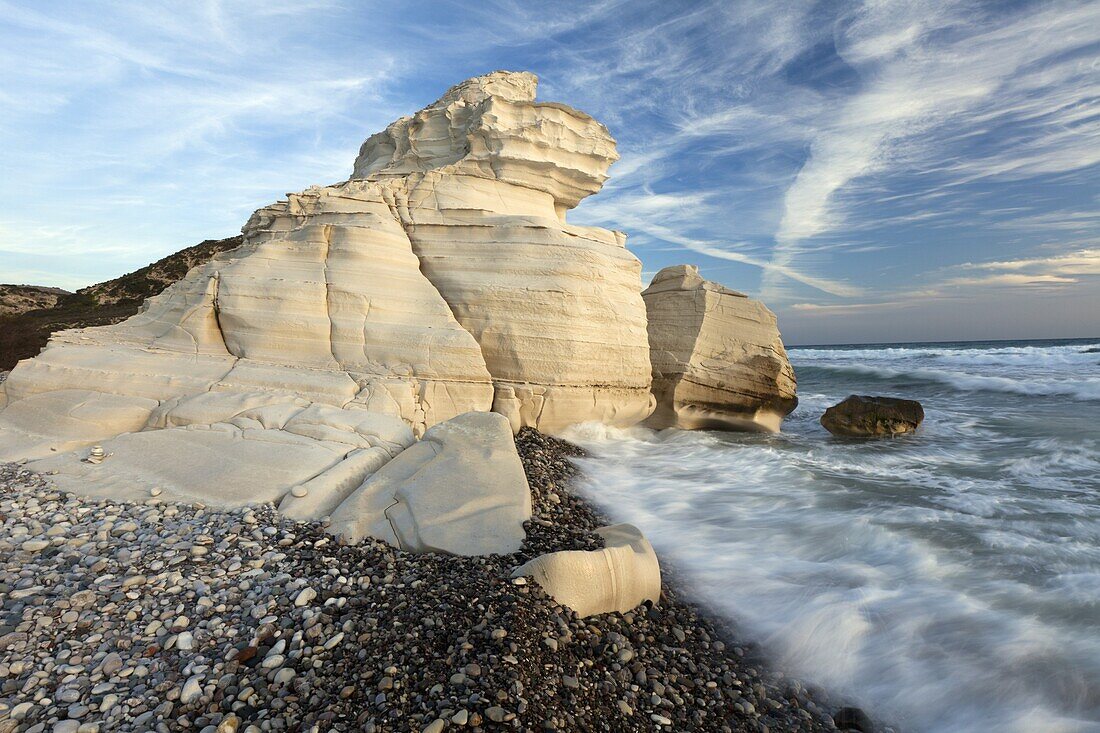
(718, 359)
(615, 579)
(481, 181)
(440, 279)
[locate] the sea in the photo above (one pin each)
(945, 581)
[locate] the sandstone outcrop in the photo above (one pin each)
(461, 489)
(440, 279)
(718, 359)
(860, 416)
(615, 579)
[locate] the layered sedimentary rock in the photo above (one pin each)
(481, 182)
(440, 279)
(622, 575)
(233, 449)
(24, 334)
(718, 359)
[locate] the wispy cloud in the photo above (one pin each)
(937, 74)
(1009, 279)
(142, 127)
(1081, 262)
(826, 155)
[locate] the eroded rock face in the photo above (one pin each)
(617, 578)
(718, 359)
(861, 416)
(481, 181)
(461, 489)
(440, 279)
(233, 449)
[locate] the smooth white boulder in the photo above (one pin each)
(718, 358)
(320, 495)
(461, 489)
(624, 574)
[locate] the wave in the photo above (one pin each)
(1020, 356)
(1082, 389)
(904, 576)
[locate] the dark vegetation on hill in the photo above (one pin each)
(15, 299)
(25, 328)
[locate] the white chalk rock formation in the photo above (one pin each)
(234, 449)
(718, 359)
(481, 181)
(618, 578)
(461, 489)
(441, 279)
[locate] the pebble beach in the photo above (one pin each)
(168, 617)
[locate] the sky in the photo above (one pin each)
(874, 171)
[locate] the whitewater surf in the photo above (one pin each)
(948, 580)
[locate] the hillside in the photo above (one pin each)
(29, 314)
(16, 299)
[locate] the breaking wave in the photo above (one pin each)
(947, 581)
(1083, 389)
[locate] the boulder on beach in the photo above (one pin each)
(718, 359)
(854, 720)
(861, 416)
(166, 607)
(461, 489)
(622, 575)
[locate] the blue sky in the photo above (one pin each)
(874, 171)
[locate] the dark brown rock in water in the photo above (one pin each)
(854, 719)
(862, 416)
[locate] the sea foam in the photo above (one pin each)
(946, 581)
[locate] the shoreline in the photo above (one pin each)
(158, 616)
